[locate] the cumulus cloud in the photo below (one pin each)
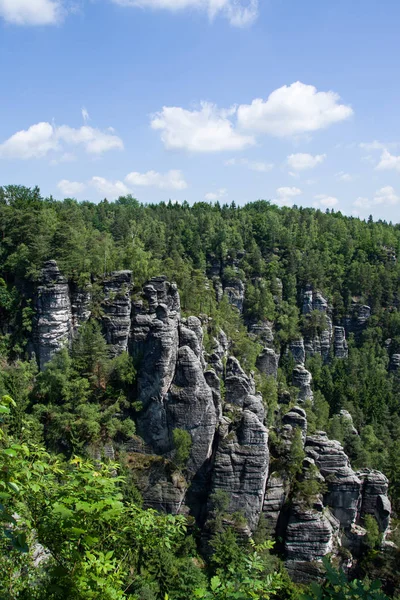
(293, 110)
(253, 165)
(172, 180)
(385, 196)
(302, 162)
(109, 189)
(39, 140)
(325, 201)
(31, 12)
(388, 162)
(212, 196)
(285, 195)
(71, 188)
(238, 12)
(208, 129)
(288, 111)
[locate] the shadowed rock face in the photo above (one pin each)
(276, 492)
(117, 311)
(344, 487)
(235, 294)
(374, 497)
(311, 534)
(298, 352)
(53, 320)
(190, 406)
(340, 343)
(241, 466)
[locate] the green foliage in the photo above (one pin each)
(182, 443)
(337, 587)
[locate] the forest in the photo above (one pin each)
(75, 523)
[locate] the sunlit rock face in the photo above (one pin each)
(53, 319)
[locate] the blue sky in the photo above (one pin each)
(293, 101)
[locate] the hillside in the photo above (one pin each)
(241, 365)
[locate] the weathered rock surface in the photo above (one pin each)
(394, 364)
(268, 362)
(311, 534)
(263, 331)
(344, 486)
(241, 466)
(358, 317)
(296, 417)
(235, 294)
(53, 319)
(375, 500)
(298, 352)
(339, 342)
(154, 342)
(80, 306)
(276, 493)
(314, 300)
(302, 379)
(162, 487)
(117, 311)
(190, 406)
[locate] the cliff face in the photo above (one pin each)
(209, 395)
(53, 320)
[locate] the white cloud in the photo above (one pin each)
(216, 195)
(31, 12)
(289, 111)
(253, 165)
(385, 196)
(113, 189)
(286, 194)
(323, 200)
(301, 161)
(39, 140)
(388, 162)
(172, 180)
(293, 110)
(206, 130)
(93, 140)
(342, 176)
(238, 12)
(85, 115)
(71, 188)
(109, 189)
(34, 142)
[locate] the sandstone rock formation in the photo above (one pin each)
(53, 319)
(117, 311)
(302, 380)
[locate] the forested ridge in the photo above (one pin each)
(76, 523)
